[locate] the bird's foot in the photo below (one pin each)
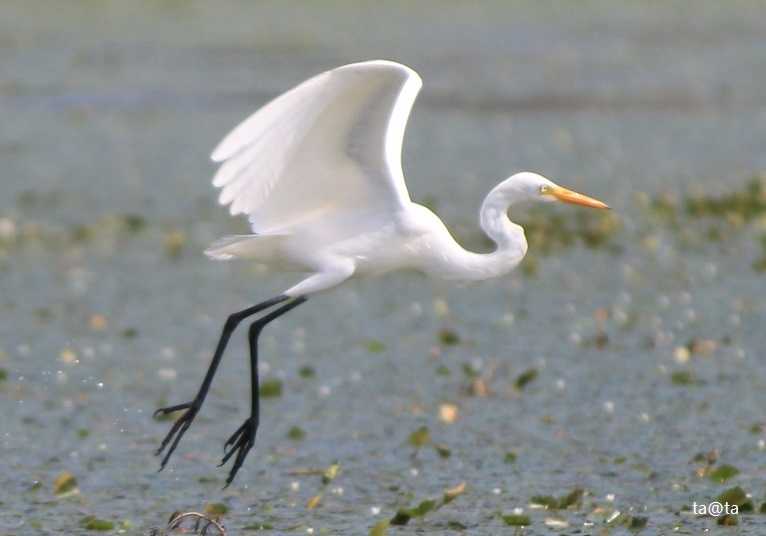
(178, 429)
(240, 443)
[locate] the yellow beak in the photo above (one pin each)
(568, 196)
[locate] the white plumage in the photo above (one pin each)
(318, 173)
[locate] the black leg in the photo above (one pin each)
(184, 421)
(243, 439)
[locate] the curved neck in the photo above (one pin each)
(511, 244)
(493, 219)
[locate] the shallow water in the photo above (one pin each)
(111, 109)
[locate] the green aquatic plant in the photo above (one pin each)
(515, 520)
(736, 497)
(526, 377)
(723, 473)
(96, 524)
(271, 388)
(404, 515)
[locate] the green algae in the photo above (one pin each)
(514, 520)
(96, 524)
(525, 378)
(271, 388)
(375, 346)
(722, 473)
(296, 433)
(448, 337)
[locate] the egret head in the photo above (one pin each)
(529, 186)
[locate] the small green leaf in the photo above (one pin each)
(259, 526)
(525, 377)
(448, 337)
(637, 522)
(375, 346)
(402, 517)
(93, 523)
(442, 451)
(130, 333)
(306, 372)
(271, 388)
(380, 528)
(296, 433)
(423, 508)
(736, 496)
(330, 473)
(548, 501)
(216, 509)
(570, 499)
(420, 437)
(64, 483)
(514, 520)
(723, 473)
(510, 457)
(682, 377)
(469, 371)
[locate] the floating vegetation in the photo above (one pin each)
(174, 243)
(549, 231)
(723, 473)
(296, 433)
(328, 475)
(549, 502)
(420, 437)
(525, 378)
(682, 377)
(735, 207)
(380, 528)
(307, 372)
(65, 484)
(516, 520)
(216, 510)
(129, 333)
(331, 473)
(404, 515)
(96, 524)
(109, 227)
(3, 375)
(735, 210)
(510, 457)
(448, 337)
(629, 521)
(736, 497)
(271, 388)
(375, 346)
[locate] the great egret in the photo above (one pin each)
(318, 173)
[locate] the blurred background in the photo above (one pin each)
(615, 379)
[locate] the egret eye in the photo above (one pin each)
(545, 189)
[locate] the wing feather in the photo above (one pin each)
(332, 143)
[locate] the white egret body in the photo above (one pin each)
(318, 173)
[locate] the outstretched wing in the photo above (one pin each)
(331, 144)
